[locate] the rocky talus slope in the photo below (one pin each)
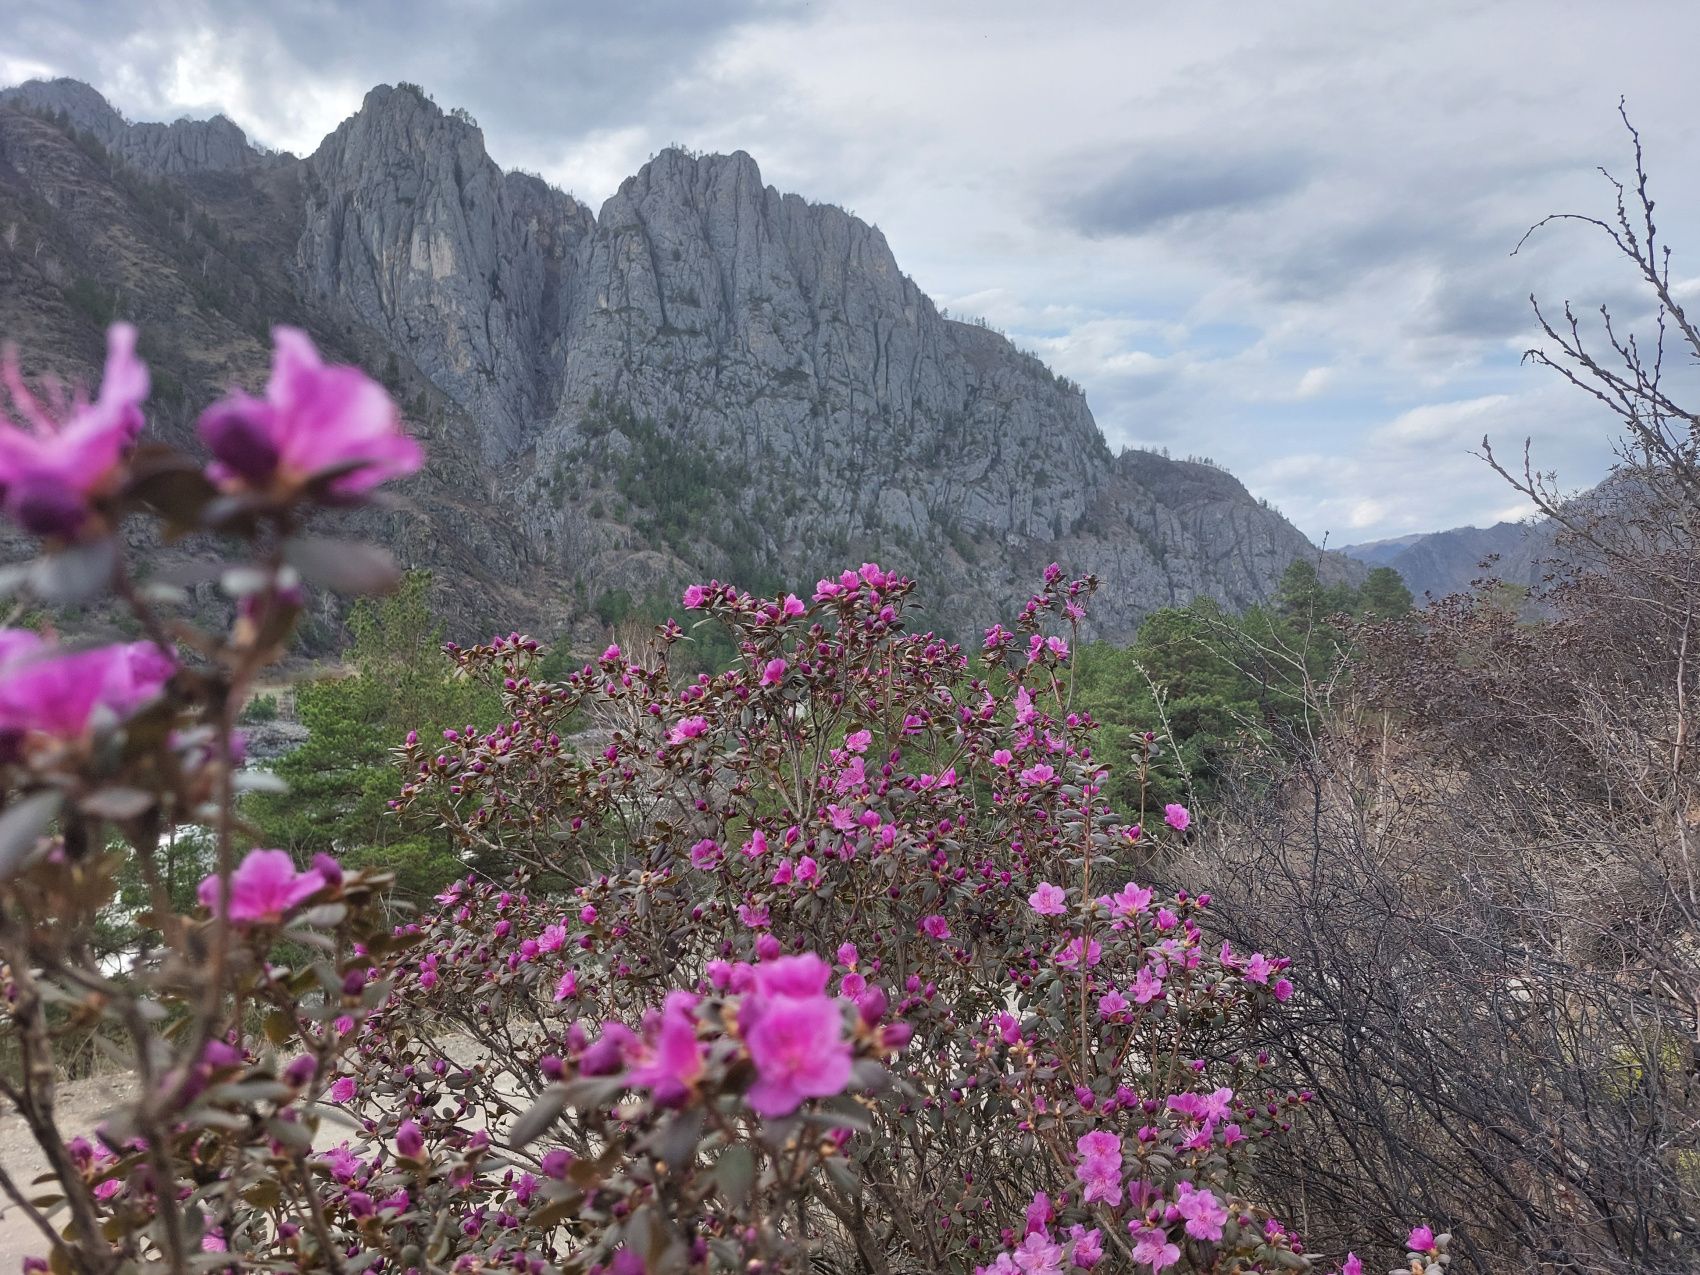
(703, 377)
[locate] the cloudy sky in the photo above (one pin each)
(1277, 235)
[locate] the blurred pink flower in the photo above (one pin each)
(58, 692)
(1177, 816)
(50, 472)
(314, 419)
(409, 1141)
(674, 1056)
(796, 1042)
(264, 887)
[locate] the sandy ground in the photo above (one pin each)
(81, 1103)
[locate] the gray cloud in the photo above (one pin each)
(535, 72)
(1174, 184)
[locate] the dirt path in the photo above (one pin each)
(81, 1105)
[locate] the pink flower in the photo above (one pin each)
(804, 975)
(1130, 900)
(1079, 950)
(1205, 1216)
(705, 854)
(1283, 988)
(773, 672)
(53, 692)
(1100, 1167)
(792, 606)
(409, 1141)
(342, 1089)
(1177, 816)
(1353, 1265)
(344, 1165)
(567, 988)
(796, 1040)
(695, 596)
(553, 938)
(315, 420)
(264, 887)
(688, 728)
(1048, 899)
(1151, 1247)
(1421, 1240)
(1088, 1248)
(1037, 775)
(1039, 1213)
(857, 741)
(1147, 987)
(52, 472)
(1111, 1003)
(935, 927)
(674, 1058)
(1025, 713)
(1038, 1254)
(1258, 968)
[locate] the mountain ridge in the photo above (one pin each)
(704, 376)
(1438, 563)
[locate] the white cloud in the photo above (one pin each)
(1313, 382)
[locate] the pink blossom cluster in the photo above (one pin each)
(59, 693)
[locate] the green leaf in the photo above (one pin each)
(537, 1119)
(21, 826)
(342, 566)
(735, 1173)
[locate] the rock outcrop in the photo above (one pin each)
(705, 377)
(160, 150)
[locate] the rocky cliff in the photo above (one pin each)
(705, 376)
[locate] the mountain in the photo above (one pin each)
(702, 377)
(1439, 563)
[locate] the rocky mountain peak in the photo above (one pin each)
(707, 376)
(181, 148)
(415, 231)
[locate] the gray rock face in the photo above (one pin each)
(461, 268)
(706, 377)
(161, 150)
(848, 418)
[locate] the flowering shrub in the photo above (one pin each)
(838, 955)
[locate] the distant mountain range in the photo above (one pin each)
(704, 377)
(1439, 563)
